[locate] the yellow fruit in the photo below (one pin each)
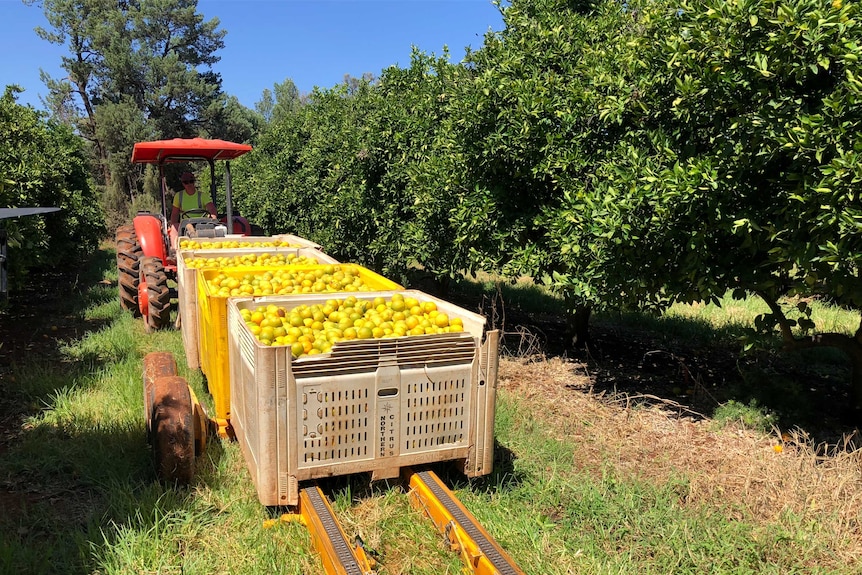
(316, 328)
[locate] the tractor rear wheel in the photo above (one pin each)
(172, 428)
(128, 268)
(154, 295)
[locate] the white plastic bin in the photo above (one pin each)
(373, 405)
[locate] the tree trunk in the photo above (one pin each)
(579, 328)
(851, 346)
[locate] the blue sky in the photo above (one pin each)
(312, 42)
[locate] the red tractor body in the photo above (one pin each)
(146, 260)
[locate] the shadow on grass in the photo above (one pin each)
(686, 363)
(75, 466)
(71, 487)
(74, 485)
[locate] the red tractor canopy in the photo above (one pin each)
(161, 152)
(181, 150)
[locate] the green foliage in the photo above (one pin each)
(750, 416)
(43, 164)
(354, 170)
(282, 101)
(227, 119)
(734, 165)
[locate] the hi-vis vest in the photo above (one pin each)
(196, 201)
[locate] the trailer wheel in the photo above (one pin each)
(154, 296)
(128, 268)
(156, 364)
(173, 430)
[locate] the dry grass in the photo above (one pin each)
(767, 479)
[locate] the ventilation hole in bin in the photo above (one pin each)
(435, 413)
(341, 418)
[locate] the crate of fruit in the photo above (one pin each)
(190, 260)
(234, 241)
(216, 287)
(325, 385)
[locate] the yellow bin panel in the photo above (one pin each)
(213, 329)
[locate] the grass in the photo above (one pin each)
(750, 416)
(726, 320)
(573, 489)
(773, 386)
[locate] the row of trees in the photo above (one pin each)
(629, 155)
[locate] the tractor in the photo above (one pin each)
(146, 260)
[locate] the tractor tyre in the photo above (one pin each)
(128, 268)
(156, 364)
(173, 430)
(155, 293)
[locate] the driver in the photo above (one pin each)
(190, 200)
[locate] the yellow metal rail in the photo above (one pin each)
(338, 556)
(481, 554)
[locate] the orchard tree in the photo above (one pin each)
(524, 126)
(762, 112)
(640, 154)
(417, 169)
(307, 176)
(42, 163)
(283, 100)
(354, 169)
(725, 156)
(136, 70)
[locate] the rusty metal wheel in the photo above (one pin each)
(154, 295)
(156, 364)
(128, 268)
(172, 426)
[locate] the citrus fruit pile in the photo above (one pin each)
(314, 329)
(187, 244)
(265, 259)
(321, 279)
